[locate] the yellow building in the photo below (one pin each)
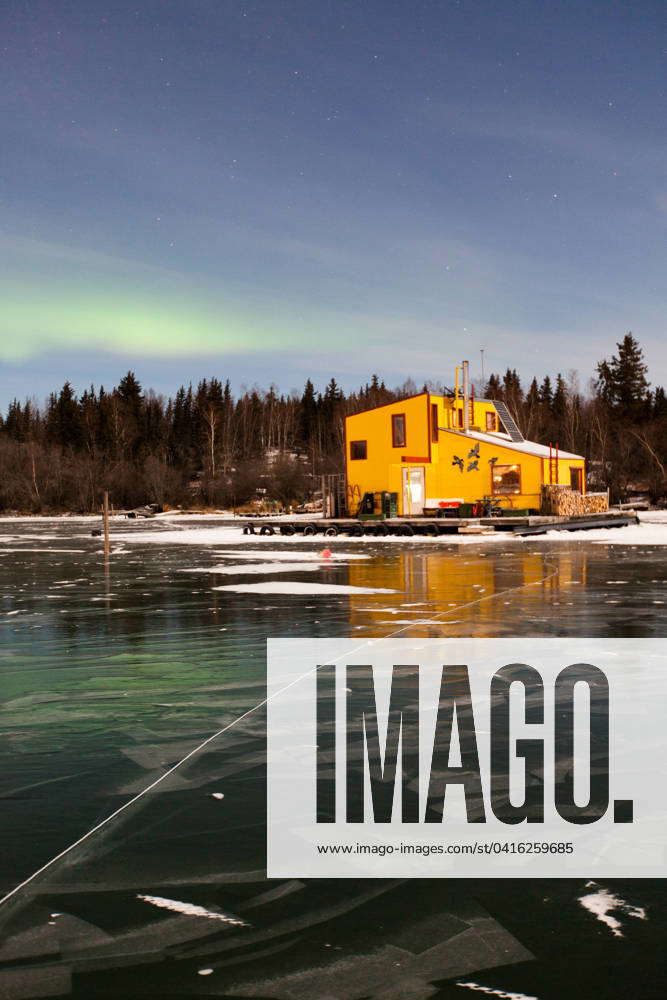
(433, 451)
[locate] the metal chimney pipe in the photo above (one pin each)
(466, 395)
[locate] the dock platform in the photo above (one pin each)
(534, 524)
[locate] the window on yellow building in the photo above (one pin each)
(398, 430)
(506, 479)
(491, 423)
(434, 422)
(458, 418)
(358, 450)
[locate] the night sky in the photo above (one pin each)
(269, 190)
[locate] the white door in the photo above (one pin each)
(413, 491)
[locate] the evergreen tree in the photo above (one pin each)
(308, 416)
(559, 403)
(129, 426)
(14, 423)
(64, 426)
(659, 403)
(533, 397)
(546, 392)
(622, 382)
(129, 389)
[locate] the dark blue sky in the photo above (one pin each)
(273, 190)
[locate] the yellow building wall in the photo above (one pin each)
(455, 466)
(463, 467)
(382, 469)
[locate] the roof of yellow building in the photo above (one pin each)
(528, 447)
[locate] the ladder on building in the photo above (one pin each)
(553, 463)
(508, 421)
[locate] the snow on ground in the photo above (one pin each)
(226, 534)
(291, 587)
(653, 516)
(190, 535)
(648, 532)
(220, 529)
(171, 515)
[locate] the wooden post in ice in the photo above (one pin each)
(105, 519)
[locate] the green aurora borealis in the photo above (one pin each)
(129, 324)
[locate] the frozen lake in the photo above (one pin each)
(109, 679)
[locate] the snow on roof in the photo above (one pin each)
(527, 447)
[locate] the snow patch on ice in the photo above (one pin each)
(252, 569)
(30, 538)
(633, 534)
(603, 903)
(491, 991)
(299, 556)
(190, 909)
(46, 549)
(292, 587)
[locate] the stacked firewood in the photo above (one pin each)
(561, 501)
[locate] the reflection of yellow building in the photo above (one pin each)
(431, 449)
(475, 590)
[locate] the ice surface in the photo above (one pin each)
(271, 895)
(30, 983)
(419, 621)
(38, 941)
(401, 968)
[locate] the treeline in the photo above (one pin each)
(206, 446)
(619, 424)
(203, 446)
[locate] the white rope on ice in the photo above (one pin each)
(260, 704)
